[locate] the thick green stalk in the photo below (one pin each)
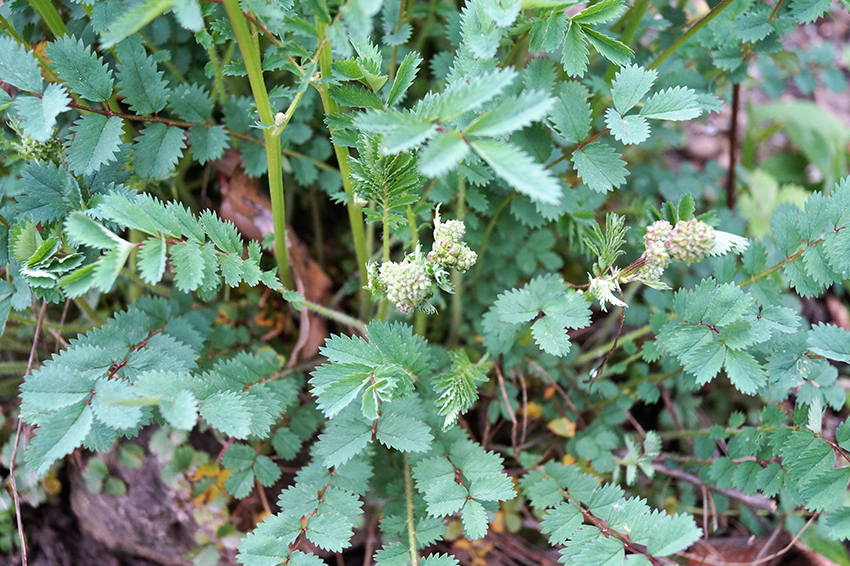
(50, 16)
(457, 279)
(355, 213)
(7, 27)
(251, 57)
(688, 34)
(402, 16)
(384, 307)
(411, 525)
(419, 317)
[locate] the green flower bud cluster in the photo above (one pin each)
(656, 255)
(690, 241)
(449, 249)
(51, 150)
(408, 284)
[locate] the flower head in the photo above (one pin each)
(408, 283)
(449, 250)
(690, 241)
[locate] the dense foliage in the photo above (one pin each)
(535, 318)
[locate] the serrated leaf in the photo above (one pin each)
(630, 85)
(79, 68)
(677, 103)
(442, 154)
(240, 483)
(672, 534)
(807, 11)
(830, 341)
(551, 336)
(93, 142)
(837, 523)
(208, 144)
(60, 434)
(600, 167)
(266, 471)
(492, 487)
(445, 497)
(226, 411)
(405, 74)
(600, 552)
(439, 560)
(151, 259)
(571, 113)
(574, 56)
(181, 412)
(561, 522)
(191, 102)
(825, 489)
(38, 115)
(469, 94)
(474, 520)
(330, 531)
(613, 50)
(84, 230)
(744, 372)
(268, 544)
(770, 479)
(107, 407)
(404, 433)
(514, 113)
(344, 438)
(139, 80)
(239, 457)
(157, 151)
(629, 129)
(356, 96)
(188, 265)
(600, 12)
(18, 67)
(548, 33)
(519, 170)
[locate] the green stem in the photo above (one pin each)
(778, 266)
(50, 16)
(7, 27)
(423, 31)
(688, 34)
(251, 57)
(384, 307)
(219, 75)
(142, 283)
(58, 327)
(457, 280)
(515, 49)
(13, 367)
(419, 317)
(628, 35)
(355, 214)
(331, 314)
(411, 525)
(402, 15)
(88, 311)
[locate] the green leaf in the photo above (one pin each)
(139, 80)
(519, 170)
(600, 167)
(613, 50)
(492, 487)
(442, 154)
(405, 74)
(189, 15)
(107, 408)
(561, 522)
(744, 372)
(445, 497)
(330, 531)
(551, 336)
(474, 520)
(344, 438)
(60, 434)
(93, 142)
(38, 115)
(181, 412)
(600, 552)
(18, 67)
(84, 230)
(240, 483)
(548, 32)
(226, 411)
(457, 389)
(837, 523)
(574, 57)
(80, 69)
(191, 102)
(266, 471)
(830, 341)
(628, 130)
(267, 545)
(404, 433)
(677, 103)
(239, 457)
(600, 12)
(468, 94)
(514, 113)
(571, 113)
(672, 534)
(780, 318)
(133, 20)
(439, 560)
(5, 99)
(771, 479)
(630, 85)
(157, 151)
(825, 489)
(356, 96)
(53, 387)
(807, 11)
(151, 259)
(188, 265)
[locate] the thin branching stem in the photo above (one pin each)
(690, 33)
(409, 506)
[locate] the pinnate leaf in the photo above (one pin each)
(18, 67)
(630, 85)
(93, 142)
(157, 151)
(677, 103)
(600, 167)
(519, 170)
(38, 115)
(139, 80)
(80, 69)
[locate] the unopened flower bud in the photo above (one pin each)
(407, 283)
(449, 249)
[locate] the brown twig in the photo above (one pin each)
(755, 501)
(665, 395)
(500, 378)
(536, 367)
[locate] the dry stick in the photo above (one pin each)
(669, 403)
(263, 499)
(501, 381)
(20, 428)
(524, 408)
(756, 501)
(731, 193)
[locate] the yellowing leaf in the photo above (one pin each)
(563, 427)
(533, 410)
